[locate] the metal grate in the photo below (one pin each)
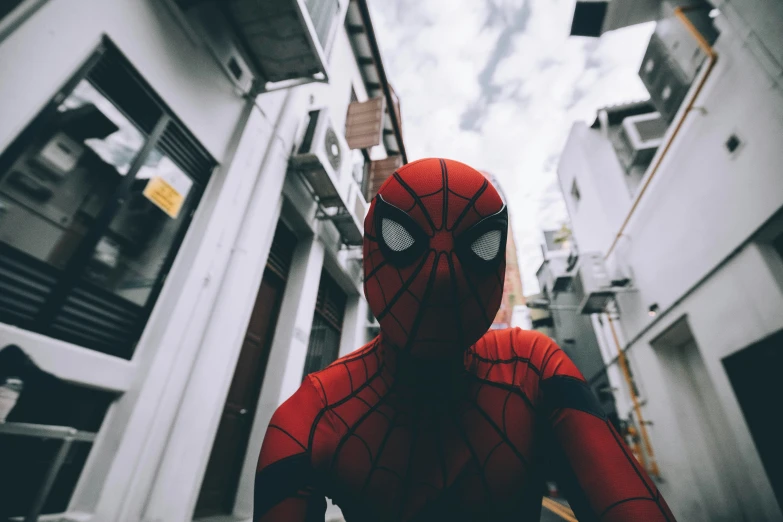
(331, 301)
(25, 283)
(185, 151)
(282, 251)
(97, 319)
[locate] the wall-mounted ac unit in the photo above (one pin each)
(320, 158)
(350, 220)
(558, 276)
(641, 135)
(594, 283)
(664, 78)
(287, 38)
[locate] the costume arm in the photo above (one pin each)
(601, 478)
(286, 485)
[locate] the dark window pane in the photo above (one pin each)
(324, 345)
(52, 193)
(129, 259)
(6, 6)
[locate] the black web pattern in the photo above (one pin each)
(377, 264)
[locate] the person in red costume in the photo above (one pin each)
(438, 418)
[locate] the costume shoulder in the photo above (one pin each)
(295, 426)
(518, 357)
(341, 379)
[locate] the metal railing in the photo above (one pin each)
(65, 434)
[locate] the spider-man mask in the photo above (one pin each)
(434, 257)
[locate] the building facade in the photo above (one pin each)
(512, 311)
(182, 190)
(677, 207)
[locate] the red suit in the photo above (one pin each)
(437, 418)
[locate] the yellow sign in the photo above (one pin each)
(164, 195)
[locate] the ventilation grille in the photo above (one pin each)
(282, 251)
(25, 283)
(330, 302)
(94, 318)
(177, 144)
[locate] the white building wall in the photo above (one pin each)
(739, 305)
(153, 448)
(62, 34)
(687, 246)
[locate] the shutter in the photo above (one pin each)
(282, 251)
(330, 302)
(364, 123)
(95, 318)
(25, 283)
(380, 171)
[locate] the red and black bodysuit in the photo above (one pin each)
(438, 418)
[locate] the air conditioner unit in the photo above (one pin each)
(207, 21)
(288, 39)
(594, 283)
(320, 158)
(350, 220)
(664, 78)
(641, 135)
(558, 276)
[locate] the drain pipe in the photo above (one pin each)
(712, 57)
(652, 465)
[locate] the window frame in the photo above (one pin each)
(70, 277)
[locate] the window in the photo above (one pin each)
(95, 197)
(324, 345)
(777, 244)
(8, 6)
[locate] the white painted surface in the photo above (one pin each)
(286, 357)
(151, 453)
(70, 362)
(63, 33)
(703, 205)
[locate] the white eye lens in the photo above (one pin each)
(395, 235)
(487, 245)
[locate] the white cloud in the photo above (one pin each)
(476, 88)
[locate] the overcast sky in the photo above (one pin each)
(497, 84)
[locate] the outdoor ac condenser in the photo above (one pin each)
(641, 135)
(320, 158)
(596, 285)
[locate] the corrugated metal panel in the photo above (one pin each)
(97, 319)
(179, 145)
(25, 283)
(364, 123)
(282, 251)
(330, 302)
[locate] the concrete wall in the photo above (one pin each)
(151, 453)
(739, 305)
(687, 246)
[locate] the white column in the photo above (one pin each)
(354, 333)
(286, 357)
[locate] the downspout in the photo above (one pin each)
(652, 466)
(712, 57)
